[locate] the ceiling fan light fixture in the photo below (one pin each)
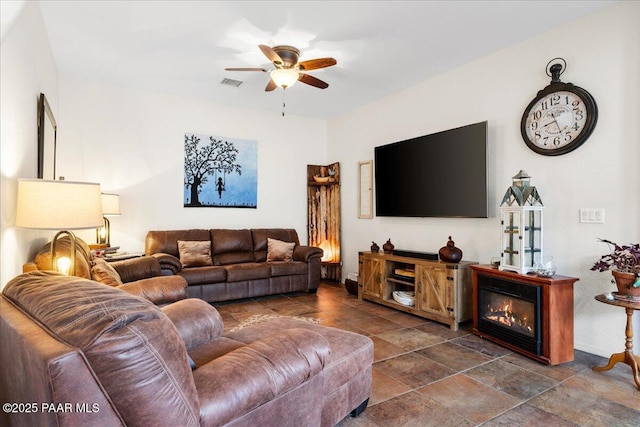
(284, 77)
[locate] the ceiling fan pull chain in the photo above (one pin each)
(284, 90)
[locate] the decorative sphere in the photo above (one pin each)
(450, 253)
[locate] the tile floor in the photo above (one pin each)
(424, 374)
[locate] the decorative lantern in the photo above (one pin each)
(521, 222)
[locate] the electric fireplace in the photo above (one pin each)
(510, 311)
(525, 313)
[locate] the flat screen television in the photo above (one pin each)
(439, 175)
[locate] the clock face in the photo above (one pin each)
(556, 122)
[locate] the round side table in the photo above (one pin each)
(627, 355)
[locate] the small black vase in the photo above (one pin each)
(375, 248)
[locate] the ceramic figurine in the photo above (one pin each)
(450, 253)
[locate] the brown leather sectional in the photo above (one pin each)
(239, 257)
(77, 353)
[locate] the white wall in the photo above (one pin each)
(603, 56)
(26, 69)
(132, 143)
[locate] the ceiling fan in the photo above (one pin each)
(287, 68)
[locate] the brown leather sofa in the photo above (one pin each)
(78, 353)
(239, 267)
(141, 276)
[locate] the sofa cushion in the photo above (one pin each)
(231, 246)
(283, 268)
(255, 375)
(277, 250)
(55, 299)
(260, 236)
(104, 273)
(133, 349)
(207, 352)
(233, 258)
(39, 368)
(350, 352)
(204, 275)
(166, 241)
(195, 253)
(247, 271)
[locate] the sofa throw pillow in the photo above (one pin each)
(277, 250)
(102, 272)
(195, 253)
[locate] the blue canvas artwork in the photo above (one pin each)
(220, 172)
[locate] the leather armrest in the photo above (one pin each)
(137, 268)
(197, 322)
(158, 290)
(168, 262)
(306, 253)
(250, 376)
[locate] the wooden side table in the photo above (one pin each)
(626, 356)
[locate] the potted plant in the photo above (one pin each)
(624, 263)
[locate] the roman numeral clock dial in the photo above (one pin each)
(560, 118)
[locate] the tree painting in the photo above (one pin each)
(219, 172)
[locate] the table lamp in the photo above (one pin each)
(110, 206)
(59, 205)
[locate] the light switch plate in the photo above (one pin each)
(592, 216)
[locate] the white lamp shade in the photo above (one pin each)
(56, 205)
(284, 77)
(110, 204)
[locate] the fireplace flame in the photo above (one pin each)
(505, 316)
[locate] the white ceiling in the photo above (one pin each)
(382, 47)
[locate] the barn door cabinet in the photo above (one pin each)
(370, 275)
(443, 291)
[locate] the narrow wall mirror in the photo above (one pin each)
(365, 187)
(47, 129)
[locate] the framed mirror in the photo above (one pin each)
(365, 187)
(47, 129)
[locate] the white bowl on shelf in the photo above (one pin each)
(404, 298)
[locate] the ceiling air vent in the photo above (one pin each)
(231, 82)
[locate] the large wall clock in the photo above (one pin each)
(560, 118)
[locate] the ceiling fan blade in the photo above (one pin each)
(246, 69)
(312, 81)
(270, 86)
(314, 64)
(271, 54)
